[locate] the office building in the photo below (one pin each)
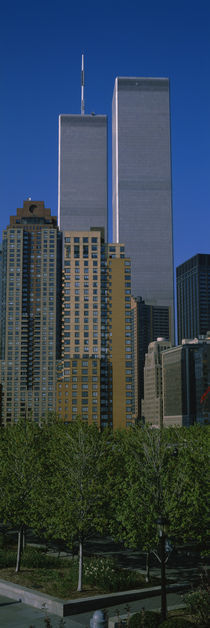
(95, 372)
(82, 175)
(142, 212)
(152, 404)
(149, 322)
(193, 297)
(30, 313)
(186, 379)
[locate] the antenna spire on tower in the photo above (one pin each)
(82, 88)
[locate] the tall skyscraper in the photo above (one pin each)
(95, 372)
(142, 212)
(193, 297)
(30, 313)
(82, 175)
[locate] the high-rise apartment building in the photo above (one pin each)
(193, 297)
(152, 404)
(142, 212)
(30, 313)
(95, 372)
(82, 175)
(186, 377)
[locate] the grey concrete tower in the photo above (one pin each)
(82, 172)
(142, 210)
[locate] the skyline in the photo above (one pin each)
(41, 79)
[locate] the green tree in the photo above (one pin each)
(159, 473)
(19, 470)
(189, 494)
(72, 498)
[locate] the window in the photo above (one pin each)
(76, 250)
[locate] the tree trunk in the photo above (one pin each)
(79, 588)
(147, 576)
(24, 538)
(19, 548)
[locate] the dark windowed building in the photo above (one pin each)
(149, 322)
(193, 297)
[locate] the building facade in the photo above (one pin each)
(152, 404)
(82, 172)
(95, 372)
(186, 383)
(149, 322)
(142, 210)
(193, 297)
(30, 313)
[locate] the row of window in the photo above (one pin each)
(84, 239)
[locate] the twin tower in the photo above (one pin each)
(141, 181)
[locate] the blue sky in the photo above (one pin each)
(41, 46)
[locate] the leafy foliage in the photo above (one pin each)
(104, 573)
(176, 622)
(144, 619)
(72, 497)
(152, 480)
(198, 604)
(70, 481)
(19, 449)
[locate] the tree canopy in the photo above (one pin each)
(70, 481)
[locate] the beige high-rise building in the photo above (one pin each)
(31, 259)
(152, 404)
(95, 372)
